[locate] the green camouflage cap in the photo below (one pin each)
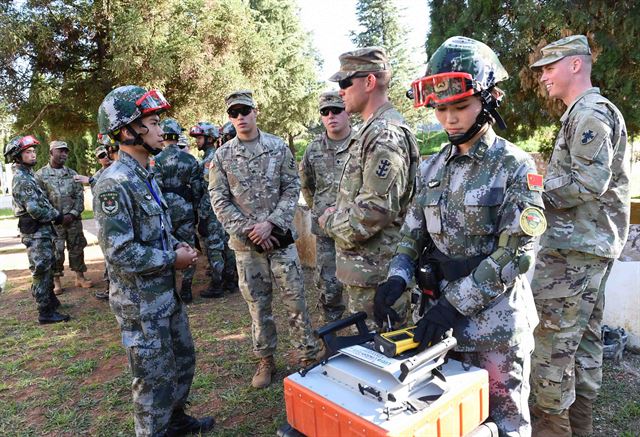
(365, 60)
(183, 141)
(99, 150)
(240, 97)
(466, 55)
(569, 46)
(170, 126)
(119, 108)
(58, 145)
(331, 99)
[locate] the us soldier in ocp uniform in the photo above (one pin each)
(376, 185)
(320, 171)
(67, 196)
(142, 256)
(254, 187)
(471, 226)
(35, 217)
(179, 177)
(586, 194)
(209, 227)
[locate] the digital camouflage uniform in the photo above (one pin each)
(134, 234)
(178, 176)
(320, 172)
(67, 196)
(30, 199)
(246, 189)
(588, 206)
(375, 189)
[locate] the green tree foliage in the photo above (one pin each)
(517, 30)
(379, 20)
(59, 58)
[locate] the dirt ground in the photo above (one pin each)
(72, 379)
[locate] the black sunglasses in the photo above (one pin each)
(102, 156)
(244, 110)
(346, 83)
(334, 110)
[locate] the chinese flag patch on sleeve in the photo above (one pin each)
(534, 181)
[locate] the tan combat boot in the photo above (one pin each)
(266, 369)
(549, 425)
(581, 417)
(57, 285)
(82, 282)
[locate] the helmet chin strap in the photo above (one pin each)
(488, 114)
(138, 141)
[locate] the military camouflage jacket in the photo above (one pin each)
(29, 198)
(464, 203)
(376, 186)
(66, 195)
(250, 188)
(179, 176)
(134, 234)
(93, 179)
(587, 180)
(204, 207)
(320, 172)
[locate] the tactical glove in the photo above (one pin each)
(387, 294)
(435, 323)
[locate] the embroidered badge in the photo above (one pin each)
(152, 162)
(588, 136)
(433, 183)
(535, 182)
(533, 222)
(109, 202)
(29, 191)
(292, 163)
(383, 168)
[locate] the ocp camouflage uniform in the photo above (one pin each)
(134, 234)
(29, 199)
(320, 172)
(178, 176)
(471, 205)
(248, 188)
(375, 189)
(588, 206)
(221, 261)
(67, 196)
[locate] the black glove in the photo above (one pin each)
(386, 295)
(435, 323)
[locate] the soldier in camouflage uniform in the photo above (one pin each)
(179, 177)
(586, 193)
(254, 188)
(67, 196)
(209, 227)
(476, 213)
(320, 172)
(376, 185)
(142, 257)
(35, 216)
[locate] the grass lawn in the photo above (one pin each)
(72, 378)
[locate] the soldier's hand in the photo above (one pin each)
(80, 178)
(322, 220)
(435, 323)
(270, 243)
(67, 219)
(185, 257)
(387, 293)
(260, 232)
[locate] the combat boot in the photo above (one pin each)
(230, 283)
(55, 302)
(213, 291)
(57, 285)
(581, 417)
(102, 295)
(549, 425)
(82, 282)
(266, 369)
(49, 316)
(185, 292)
(182, 424)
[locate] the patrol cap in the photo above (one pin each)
(568, 46)
(331, 99)
(100, 150)
(240, 97)
(365, 60)
(58, 145)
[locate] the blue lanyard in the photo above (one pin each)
(155, 196)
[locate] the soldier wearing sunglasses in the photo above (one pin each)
(254, 188)
(320, 171)
(376, 185)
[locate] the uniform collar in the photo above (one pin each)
(479, 149)
(592, 90)
(241, 149)
(134, 165)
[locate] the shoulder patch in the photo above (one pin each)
(535, 182)
(588, 136)
(28, 190)
(109, 202)
(533, 221)
(384, 165)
